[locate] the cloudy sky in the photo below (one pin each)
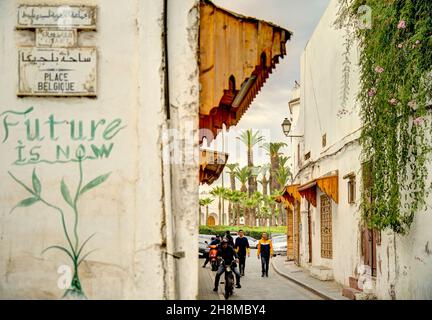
(271, 106)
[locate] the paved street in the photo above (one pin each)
(254, 287)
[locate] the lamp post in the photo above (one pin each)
(286, 128)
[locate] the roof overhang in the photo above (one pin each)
(291, 194)
(237, 56)
(308, 191)
(212, 164)
(328, 184)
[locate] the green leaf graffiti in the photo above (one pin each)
(74, 249)
(66, 193)
(95, 182)
(61, 249)
(26, 203)
(36, 183)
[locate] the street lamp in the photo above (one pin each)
(286, 128)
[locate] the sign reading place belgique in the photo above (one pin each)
(57, 71)
(56, 66)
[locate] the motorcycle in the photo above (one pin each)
(229, 279)
(214, 262)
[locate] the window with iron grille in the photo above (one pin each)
(326, 228)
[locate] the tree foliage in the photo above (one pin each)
(395, 92)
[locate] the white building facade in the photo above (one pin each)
(333, 241)
(63, 105)
(103, 109)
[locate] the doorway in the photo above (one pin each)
(290, 233)
(211, 221)
(369, 245)
(297, 233)
(310, 232)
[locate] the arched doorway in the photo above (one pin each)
(211, 221)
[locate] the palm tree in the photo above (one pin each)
(245, 205)
(226, 195)
(251, 139)
(265, 212)
(219, 193)
(273, 150)
(243, 174)
(264, 215)
(235, 197)
(205, 203)
(232, 174)
(257, 197)
(283, 176)
(264, 182)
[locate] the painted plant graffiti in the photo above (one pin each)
(74, 248)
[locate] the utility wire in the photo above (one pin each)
(314, 94)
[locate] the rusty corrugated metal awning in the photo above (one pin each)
(328, 184)
(308, 191)
(291, 193)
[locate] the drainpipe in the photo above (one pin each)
(171, 290)
(166, 60)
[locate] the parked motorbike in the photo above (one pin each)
(214, 262)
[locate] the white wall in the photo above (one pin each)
(321, 77)
(136, 215)
(404, 263)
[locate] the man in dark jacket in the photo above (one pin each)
(229, 238)
(241, 246)
(228, 254)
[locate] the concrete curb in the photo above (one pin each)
(301, 284)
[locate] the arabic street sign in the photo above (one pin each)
(56, 38)
(79, 17)
(57, 71)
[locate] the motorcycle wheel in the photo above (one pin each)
(229, 283)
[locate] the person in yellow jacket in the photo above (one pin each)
(265, 251)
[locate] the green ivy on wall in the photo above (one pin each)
(394, 95)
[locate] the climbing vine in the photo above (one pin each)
(395, 101)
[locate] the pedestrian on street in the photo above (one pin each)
(230, 239)
(241, 246)
(214, 241)
(265, 251)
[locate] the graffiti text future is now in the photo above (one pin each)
(56, 140)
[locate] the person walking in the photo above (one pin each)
(242, 248)
(265, 251)
(230, 239)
